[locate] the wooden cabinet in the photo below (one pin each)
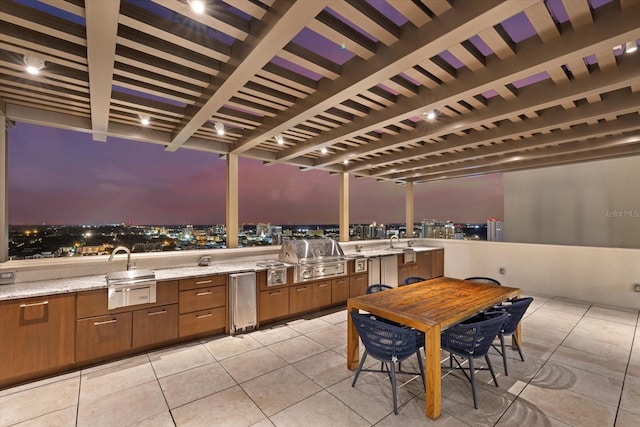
(273, 303)
(202, 305)
(101, 332)
(155, 325)
(437, 263)
(408, 270)
(322, 294)
(339, 290)
(358, 285)
(431, 263)
(300, 298)
(36, 335)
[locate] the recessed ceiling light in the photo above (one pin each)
(197, 6)
(430, 115)
(346, 162)
(144, 119)
(279, 139)
(324, 150)
(631, 47)
(219, 128)
(33, 64)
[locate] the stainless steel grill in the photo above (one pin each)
(314, 259)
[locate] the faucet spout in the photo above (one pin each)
(391, 240)
(122, 248)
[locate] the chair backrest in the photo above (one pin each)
(413, 279)
(474, 336)
(377, 288)
(382, 340)
(488, 280)
(516, 309)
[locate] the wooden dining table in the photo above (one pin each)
(430, 306)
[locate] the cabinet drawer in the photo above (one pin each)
(202, 298)
(155, 325)
(95, 303)
(102, 335)
(202, 322)
(274, 303)
(203, 282)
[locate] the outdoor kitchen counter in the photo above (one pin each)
(86, 283)
(377, 252)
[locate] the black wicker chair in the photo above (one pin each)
(479, 279)
(377, 288)
(413, 279)
(388, 344)
(516, 308)
(470, 340)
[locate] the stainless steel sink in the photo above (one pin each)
(131, 287)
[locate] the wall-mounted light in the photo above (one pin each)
(631, 47)
(33, 64)
(279, 139)
(219, 128)
(198, 6)
(324, 150)
(144, 119)
(430, 115)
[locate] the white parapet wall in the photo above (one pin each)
(599, 275)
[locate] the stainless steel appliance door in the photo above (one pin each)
(374, 271)
(242, 296)
(389, 270)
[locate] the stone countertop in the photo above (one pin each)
(378, 252)
(86, 283)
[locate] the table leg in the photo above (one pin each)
(433, 390)
(353, 342)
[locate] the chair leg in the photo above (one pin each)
(504, 354)
(421, 364)
(393, 387)
(473, 383)
(493, 374)
(364, 356)
(515, 340)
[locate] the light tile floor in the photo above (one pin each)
(582, 369)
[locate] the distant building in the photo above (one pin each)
(495, 230)
(94, 250)
(373, 231)
(434, 229)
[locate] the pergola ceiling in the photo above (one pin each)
(347, 83)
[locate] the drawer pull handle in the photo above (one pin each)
(202, 316)
(322, 286)
(202, 282)
(34, 304)
(199, 294)
(157, 312)
(106, 322)
(300, 289)
(275, 293)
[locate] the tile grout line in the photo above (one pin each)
(624, 380)
(161, 391)
(544, 363)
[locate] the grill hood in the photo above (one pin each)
(310, 251)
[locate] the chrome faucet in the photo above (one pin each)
(391, 240)
(122, 248)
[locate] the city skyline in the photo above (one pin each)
(63, 177)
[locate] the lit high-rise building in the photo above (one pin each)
(495, 230)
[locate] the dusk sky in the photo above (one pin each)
(64, 177)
